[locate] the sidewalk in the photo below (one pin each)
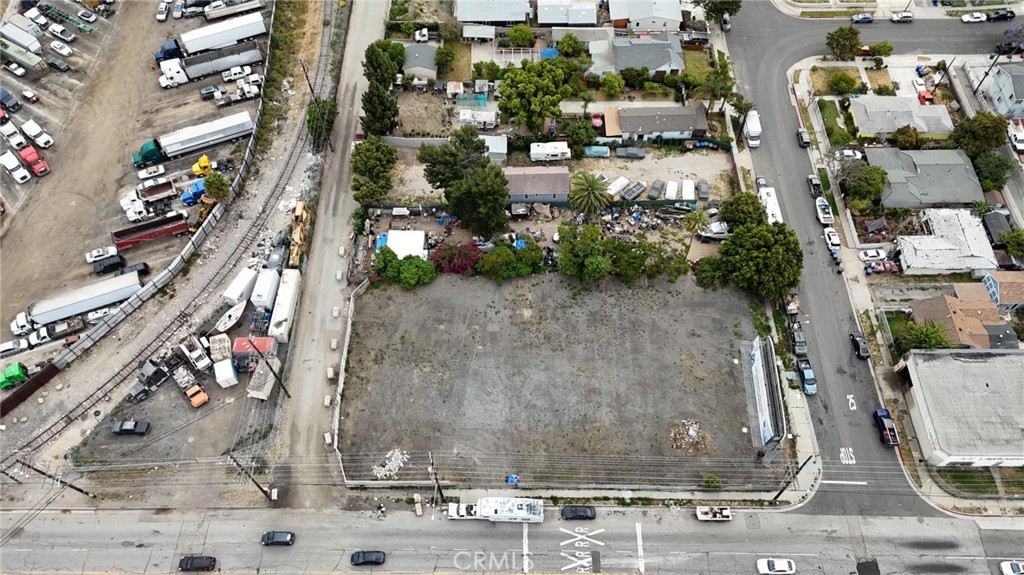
(922, 9)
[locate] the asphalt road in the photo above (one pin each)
(651, 541)
(861, 476)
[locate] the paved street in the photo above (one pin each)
(860, 476)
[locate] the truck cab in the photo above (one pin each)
(148, 155)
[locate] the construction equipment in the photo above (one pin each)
(204, 211)
(203, 166)
(300, 229)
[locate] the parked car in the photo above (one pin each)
(832, 238)
(761, 182)
(197, 563)
(578, 512)
(151, 172)
(973, 18)
(192, 12)
(61, 33)
(107, 265)
(849, 155)
(61, 48)
(902, 17)
(86, 16)
(130, 427)
(871, 255)
(142, 268)
(863, 18)
(803, 138)
(361, 558)
(161, 12)
(209, 92)
(814, 185)
(15, 69)
(860, 345)
(1009, 49)
(1000, 15)
(10, 163)
(12, 347)
(29, 96)
(773, 566)
(100, 253)
(96, 315)
(278, 538)
(657, 190)
(1012, 567)
(630, 153)
(58, 64)
(178, 10)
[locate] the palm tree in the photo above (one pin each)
(718, 84)
(588, 194)
(587, 96)
(741, 106)
(694, 222)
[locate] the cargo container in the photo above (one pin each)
(265, 291)
(284, 306)
(240, 288)
(26, 25)
(224, 372)
(75, 302)
(174, 223)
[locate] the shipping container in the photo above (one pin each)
(285, 305)
(240, 288)
(265, 290)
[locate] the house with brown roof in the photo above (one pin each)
(969, 318)
(538, 184)
(1006, 290)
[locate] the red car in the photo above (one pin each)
(35, 162)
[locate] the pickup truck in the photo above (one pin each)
(807, 378)
(130, 427)
(796, 335)
(193, 350)
(56, 330)
(814, 185)
(236, 73)
(887, 433)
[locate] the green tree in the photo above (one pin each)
(863, 182)
(694, 222)
(764, 260)
(570, 46)
(454, 160)
(741, 106)
(613, 85)
(743, 209)
(387, 261)
(715, 9)
(929, 335)
(378, 67)
(374, 158)
(444, 59)
(532, 93)
(499, 264)
(371, 191)
(588, 194)
(710, 273)
(394, 50)
(719, 84)
(840, 83)
(907, 138)
(664, 258)
(521, 36)
(414, 271)
(487, 70)
(581, 133)
(843, 43)
(451, 30)
(882, 49)
(479, 200)
(1014, 242)
(320, 116)
(217, 186)
(980, 134)
(628, 259)
(635, 77)
(380, 109)
(586, 96)
(992, 170)
(584, 253)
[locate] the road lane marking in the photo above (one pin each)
(846, 456)
(853, 402)
(844, 482)
(526, 547)
(640, 548)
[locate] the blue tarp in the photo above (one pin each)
(520, 244)
(382, 240)
(548, 53)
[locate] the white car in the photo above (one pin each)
(37, 134)
(13, 136)
(773, 566)
(151, 172)
(973, 17)
(871, 255)
(10, 163)
(1012, 567)
(61, 33)
(15, 69)
(86, 16)
(96, 316)
(61, 48)
(849, 155)
(832, 238)
(161, 12)
(919, 85)
(150, 183)
(100, 253)
(178, 10)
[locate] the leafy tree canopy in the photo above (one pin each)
(743, 209)
(715, 9)
(378, 66)
(521, 35)
(570, 46)
(613, 85)
(907, 138)
(533, 93)
(992, 170)
(1014, 242)
(764, 260)
(479, 200)
(980, 134)
(863, 182)
(380, 110)
(843, 42)
(454, 160)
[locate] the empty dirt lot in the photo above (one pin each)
(530, 376)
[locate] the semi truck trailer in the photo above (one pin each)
(16, 35)
(193, 138)
(174, 223)
(212, 37)
(180, 71)
(218, 10)
(76, 302)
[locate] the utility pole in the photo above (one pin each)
(792, 477)
(263, 490)
(945, 72)
(995, 60)
(316, 104)
(57, 479)
(437, 483)
(270, 367)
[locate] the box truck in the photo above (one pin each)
(16, 35)
(218, 10)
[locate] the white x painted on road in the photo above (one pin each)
(580, 537)
(577, 562)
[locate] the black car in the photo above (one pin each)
(860, 345)
(630, 153)
(142, 268)
(278, 538)
(574, 512)
(108, 264)
(998, 15)
(130, 427)
(208, 92)
(58, 64)
(803, 138)
(360, 558)
(197, 563)
(1009, 49)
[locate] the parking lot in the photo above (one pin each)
(99, 113)
(544, 371)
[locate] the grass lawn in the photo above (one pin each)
(878, 78)
(830, 114)
(462, 67)
(826, 184)
(969, 480)
(697, 64)
(820, 76)
(1013, 480)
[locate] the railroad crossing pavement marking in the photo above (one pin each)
(582, 537)
(582, 563)
(640, 547)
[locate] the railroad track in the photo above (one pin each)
(127, 371)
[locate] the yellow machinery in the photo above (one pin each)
(207, 205)
(300, 228)
(202, 167)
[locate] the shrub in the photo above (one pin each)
(453, 258)
(711, 482)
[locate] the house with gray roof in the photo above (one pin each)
(661, 55)
(477, 33)
(646, 15)
(571, 12)
(538, 184)
(925, 178)
(882, 115)
(420, 61)
(955, 242)
(671, 123)
(1004, 89)
(492, 11)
